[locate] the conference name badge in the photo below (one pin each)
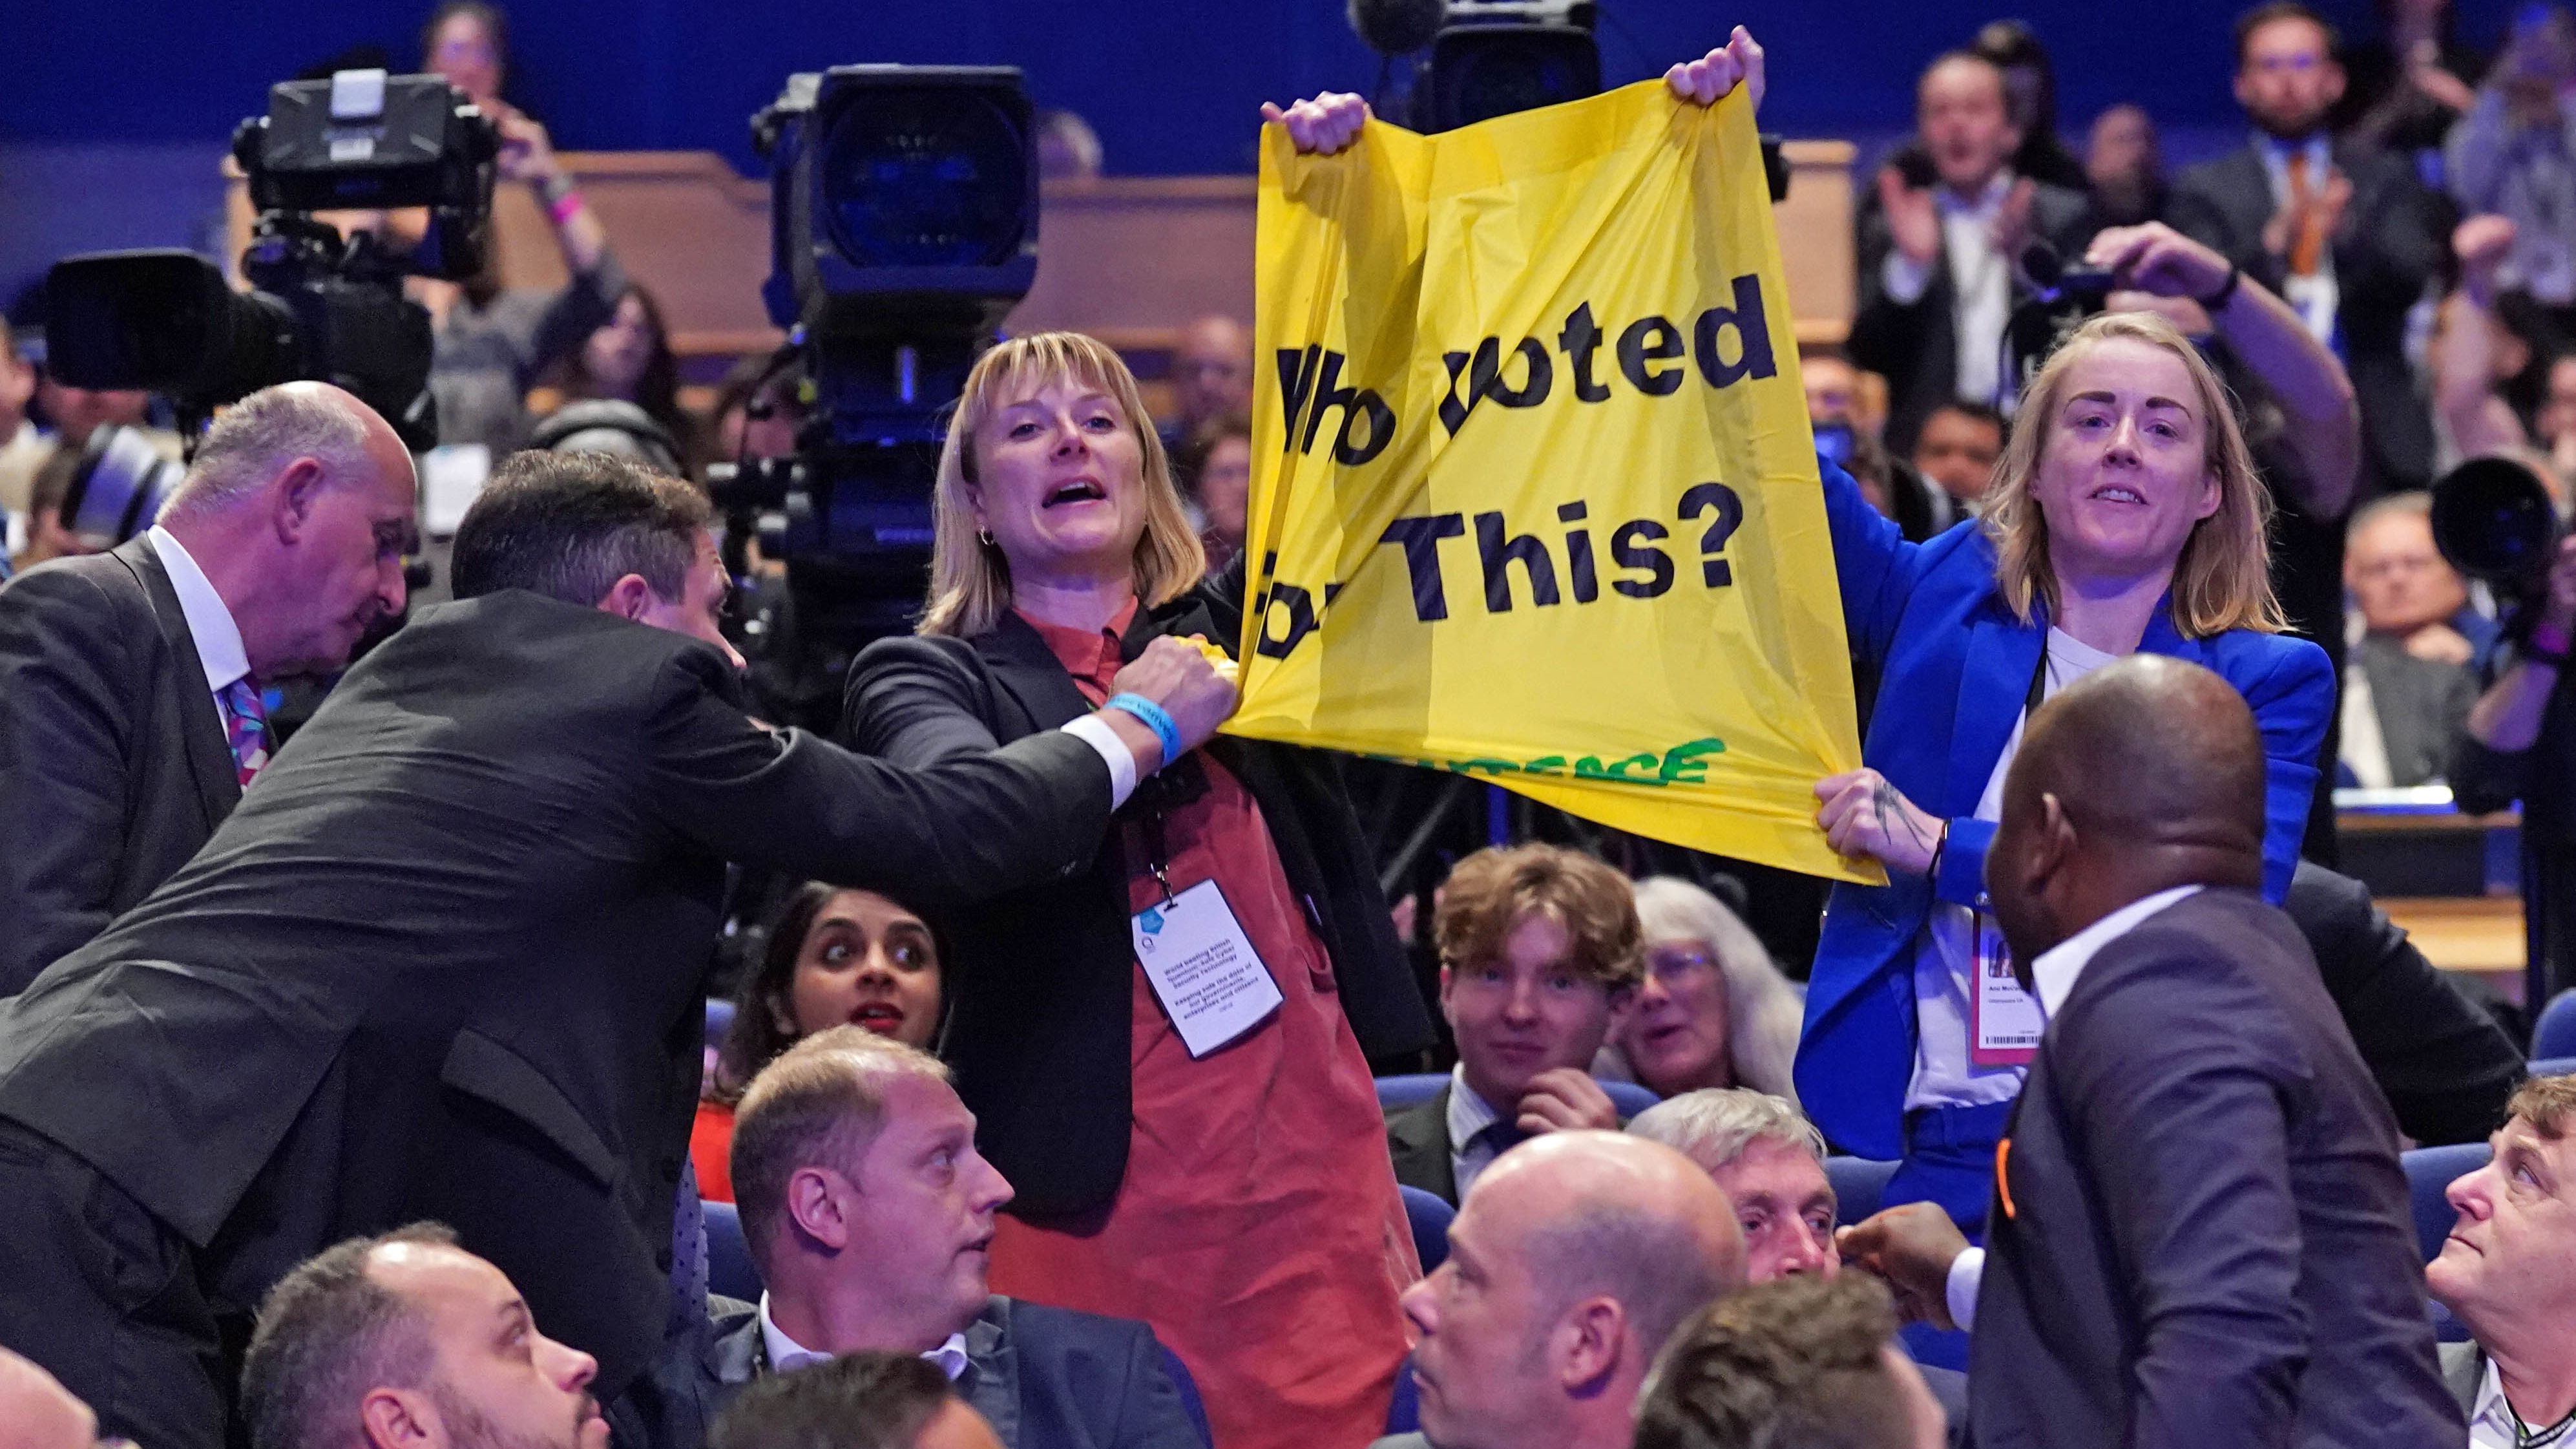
(1212, 984)
(2004, 1021)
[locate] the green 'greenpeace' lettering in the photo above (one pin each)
(1685, 764)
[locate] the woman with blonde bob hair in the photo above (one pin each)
(2126, 515)
(1233, 1190)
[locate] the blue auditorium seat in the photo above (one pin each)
(1629, 1097)
(2429, 1170)
(2549, 1066)
(719, 1020)
(1404, 1412)
(1394, 1094)
(1860, 1184)
(1430, 1216)
(730, 1270)
(2555, 1036)
(1191, 1403)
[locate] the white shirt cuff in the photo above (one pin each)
(1092, 731)
(1966, 1272)
(1905, 279)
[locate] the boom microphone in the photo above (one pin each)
(1397, 27)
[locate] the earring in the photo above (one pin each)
(984, 536)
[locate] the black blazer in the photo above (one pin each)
(1044, 1378)
(2442, 1062)
(2204, 1236)
(2393, 239)
(1417, 1137)
(113, 764)
(448, 960)
(1916, 347)
(1039, 1035)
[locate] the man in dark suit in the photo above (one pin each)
(1940, 243)
(447, 961)
(130, 710)
(2508, 1271)
(2344, 232)
(868, 1210)
(2200, 1233)
(1540, 950)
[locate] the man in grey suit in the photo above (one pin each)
(130, 711)
(869, 1212)
(2508, 1271)
(1577, 1254)
(2201, 1233)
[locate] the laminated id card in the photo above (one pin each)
(2004, 1021)
(1212, 984)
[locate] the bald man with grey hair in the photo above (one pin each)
(1574, 1257)
(132, 710)
(2200, 1231)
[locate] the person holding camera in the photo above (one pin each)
(2521, 745)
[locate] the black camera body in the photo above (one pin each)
(324, 307)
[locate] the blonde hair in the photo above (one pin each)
(2222, 580)
(970, 581)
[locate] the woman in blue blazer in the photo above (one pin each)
(2126, 515)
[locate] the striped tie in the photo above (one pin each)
(245, 727)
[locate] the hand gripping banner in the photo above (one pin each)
(1534, 497)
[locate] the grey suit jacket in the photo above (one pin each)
(2202, 1235)
(1044, 1378)
(113, 764)
(1417, 1137)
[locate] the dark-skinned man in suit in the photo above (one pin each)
(130, 715)
(448, 960)
(2200, 1232)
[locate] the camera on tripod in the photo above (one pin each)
(325, 307)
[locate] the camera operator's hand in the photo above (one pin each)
(527, 154)
(1709, 79)
(1325, 125)
(1865, 815)
(1175, 674)
(2156, 259)
(1910, 1248)
(1913, 220)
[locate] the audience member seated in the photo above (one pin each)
(134, 677)
(407, 1341)
(2343, 231)
(1211, 376)
(47, 536)
(1770, 1163)
(2511, 156)
(467, 43)
(835, 957)
(628, 359)
(1540, 951)
(2408, 686)
(37, 1412)
(1711, 1009)
(1845, 435)
(2030, 102)
(863, 1401)
(2408, 84)
(76, 412)
(23, 446)
(2508, 1272)
(1571, 1263)
(758, 408)
(1957, 450)
(2500, 381)
(870, 1212)
(1805, 1363)
(1214, 467)
(2125, 165)
(1939, 249)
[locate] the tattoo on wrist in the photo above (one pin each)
(1892, 811)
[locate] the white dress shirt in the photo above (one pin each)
(786, 1353)
(1980, 284)
(1113, 752)
(219, 640)
(2052, 976)
(1469, 1114)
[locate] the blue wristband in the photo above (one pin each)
(1155, 718)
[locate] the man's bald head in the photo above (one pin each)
(2146, 774)
(262, 435)
(1604, 1213)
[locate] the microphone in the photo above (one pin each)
(1397, 27)
(2049, 272)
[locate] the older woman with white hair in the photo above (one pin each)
(1713, 1012)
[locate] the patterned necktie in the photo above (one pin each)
(245, 727)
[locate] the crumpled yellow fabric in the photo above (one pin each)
(1534, 496)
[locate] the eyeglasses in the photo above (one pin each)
(1671, 963)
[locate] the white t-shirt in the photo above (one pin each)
(1944, 953)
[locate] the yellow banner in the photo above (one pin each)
(1533, 480)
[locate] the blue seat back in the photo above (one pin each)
(1191, 1404)
(1629, 1097)
(2549, 1066)
(2430, 1170)
(1860, 1185)
(1404, 1413)
(730, 1270)
(1429, 1215)
(1394, 1094)
(2555, 1036)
